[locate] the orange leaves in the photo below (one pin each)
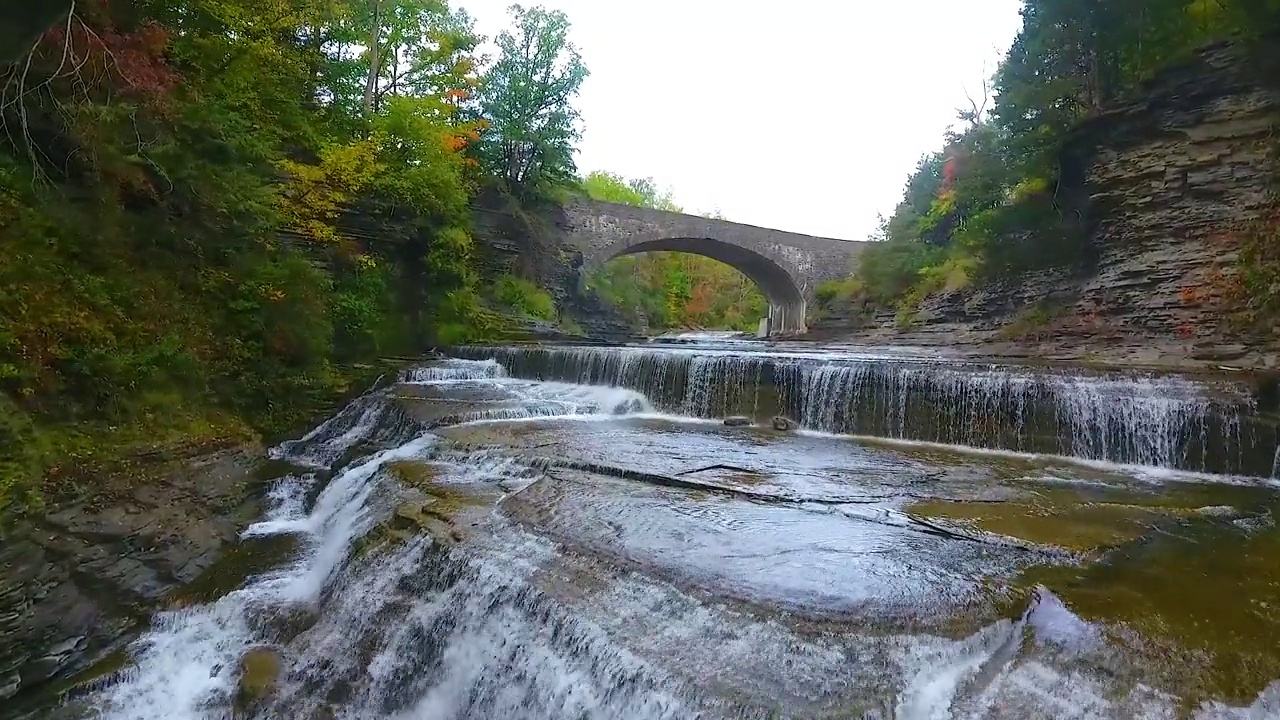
(466, 136)
(699, 302)
(948, 174)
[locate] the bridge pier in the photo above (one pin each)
(784, 319)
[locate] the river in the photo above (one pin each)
(574, 532)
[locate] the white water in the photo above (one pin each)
(1131, 419)
(189, 658)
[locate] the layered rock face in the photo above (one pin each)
(1170, 181)
(75, 583)
(534, 242)
(1178, 174)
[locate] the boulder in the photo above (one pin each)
(784, 424)
(737, 421)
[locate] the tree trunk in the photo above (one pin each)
(317, 61)
(371, 82)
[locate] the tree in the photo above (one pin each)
(612, 187)
(527, 99)
(177, 183)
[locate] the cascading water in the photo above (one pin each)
(605, 596)
(1166, 422)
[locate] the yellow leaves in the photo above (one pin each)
(316, 194)
(1029, 187)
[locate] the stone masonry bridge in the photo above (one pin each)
(787, 267)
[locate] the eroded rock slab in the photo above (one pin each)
(76, 582)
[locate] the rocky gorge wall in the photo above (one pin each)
(78, 580)
(1171, 179)
(533, 241)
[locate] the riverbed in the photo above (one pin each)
(574, 532)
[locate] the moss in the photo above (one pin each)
(1030, 322)
(1083, 526)
(433, 510)
(1085, 518)
(1193, 605)
(243, 560)
(1174, 577)
(415, 473)
(259, 676)
(103, 671)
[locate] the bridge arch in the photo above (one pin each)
(786, 298)
(787, 267)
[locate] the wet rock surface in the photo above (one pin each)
(77, 581)
(595, 558)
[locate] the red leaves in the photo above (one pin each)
(140, 60)
(948, 174)
(131, 63)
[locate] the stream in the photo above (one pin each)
(554, 532)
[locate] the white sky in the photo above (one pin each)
(805, 115)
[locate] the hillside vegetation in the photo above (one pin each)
(178, 186)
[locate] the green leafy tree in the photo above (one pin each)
(177, 187)
(526, 97)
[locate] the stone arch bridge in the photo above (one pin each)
(787, 267)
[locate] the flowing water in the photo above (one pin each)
(564, 532)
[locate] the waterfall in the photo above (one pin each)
(1126, 418)
(452, 369)
(528, 613)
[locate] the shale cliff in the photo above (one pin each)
(1168, 186)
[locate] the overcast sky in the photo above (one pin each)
(805, 115)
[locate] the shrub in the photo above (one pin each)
(523, 298)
